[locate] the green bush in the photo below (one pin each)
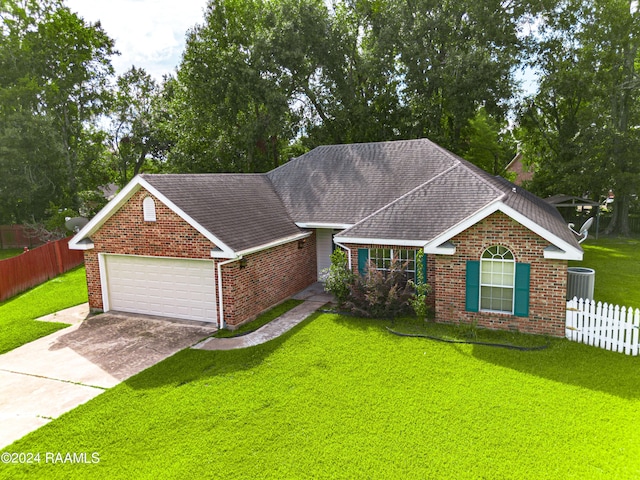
(418, 300)
(338, 277)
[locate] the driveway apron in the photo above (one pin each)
(52, 375)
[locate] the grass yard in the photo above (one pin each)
(10, 252)
(340, 397)
(17, 314)
(617, 265)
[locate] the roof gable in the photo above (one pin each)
(236, 212)
(243, 210)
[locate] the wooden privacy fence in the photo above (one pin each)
(15, 236)
(31, 268)
(603, 325)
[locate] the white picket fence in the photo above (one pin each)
(602, 325)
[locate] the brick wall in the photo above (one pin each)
(548, 281)
(127, 233)
(447, 276)
(269, 277)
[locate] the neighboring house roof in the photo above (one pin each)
(561, 200)
(409, 192)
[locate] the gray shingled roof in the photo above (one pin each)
(404, 190)
(429, 210)
(242, 210)
(409, 189)
(345, 183)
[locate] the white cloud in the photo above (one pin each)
(147, 33)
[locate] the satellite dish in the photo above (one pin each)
(75, 223)
(584, 230)
(586, 226)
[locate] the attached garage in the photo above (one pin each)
(167, 287)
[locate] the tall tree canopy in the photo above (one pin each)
(582, 126)
(260, 75)
(54, 70)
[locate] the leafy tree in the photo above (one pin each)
(457, 56)
(485, 145)
(53, 77)
(582, 123)
(231, 111)
(135, 133)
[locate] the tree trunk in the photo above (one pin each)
(620, 220)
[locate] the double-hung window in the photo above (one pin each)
(408, 259)
(381, 258)
(497, 283)
(497, 279)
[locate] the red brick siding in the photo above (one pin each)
(447, 276)
(548, 279)
(127, 233)
(269, 277)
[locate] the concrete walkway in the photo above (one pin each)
(314, 297)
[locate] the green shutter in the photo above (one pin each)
(521, 298)
(424, 267)
(473, 286)
(363, 259)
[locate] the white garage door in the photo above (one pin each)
(169, 287)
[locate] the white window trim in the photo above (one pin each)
(394, 256)
(513, 287)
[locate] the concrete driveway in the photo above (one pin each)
(54, 374)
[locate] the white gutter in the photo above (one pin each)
(332, 226)
(347, 249)
(220, 297)
(275, 243)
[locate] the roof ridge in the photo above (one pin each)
(467, 165)
(401, 197)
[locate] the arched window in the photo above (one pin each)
(497, 279)
(149, 209)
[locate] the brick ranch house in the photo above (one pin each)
(225, 247)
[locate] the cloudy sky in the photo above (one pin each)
(148, 33)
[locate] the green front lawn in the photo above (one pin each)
(17, 314)
(617, 265)
(340, 397)
(10, 252)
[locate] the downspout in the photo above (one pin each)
(221, 323)
(347, 249)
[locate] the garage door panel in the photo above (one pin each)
(171, 287)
